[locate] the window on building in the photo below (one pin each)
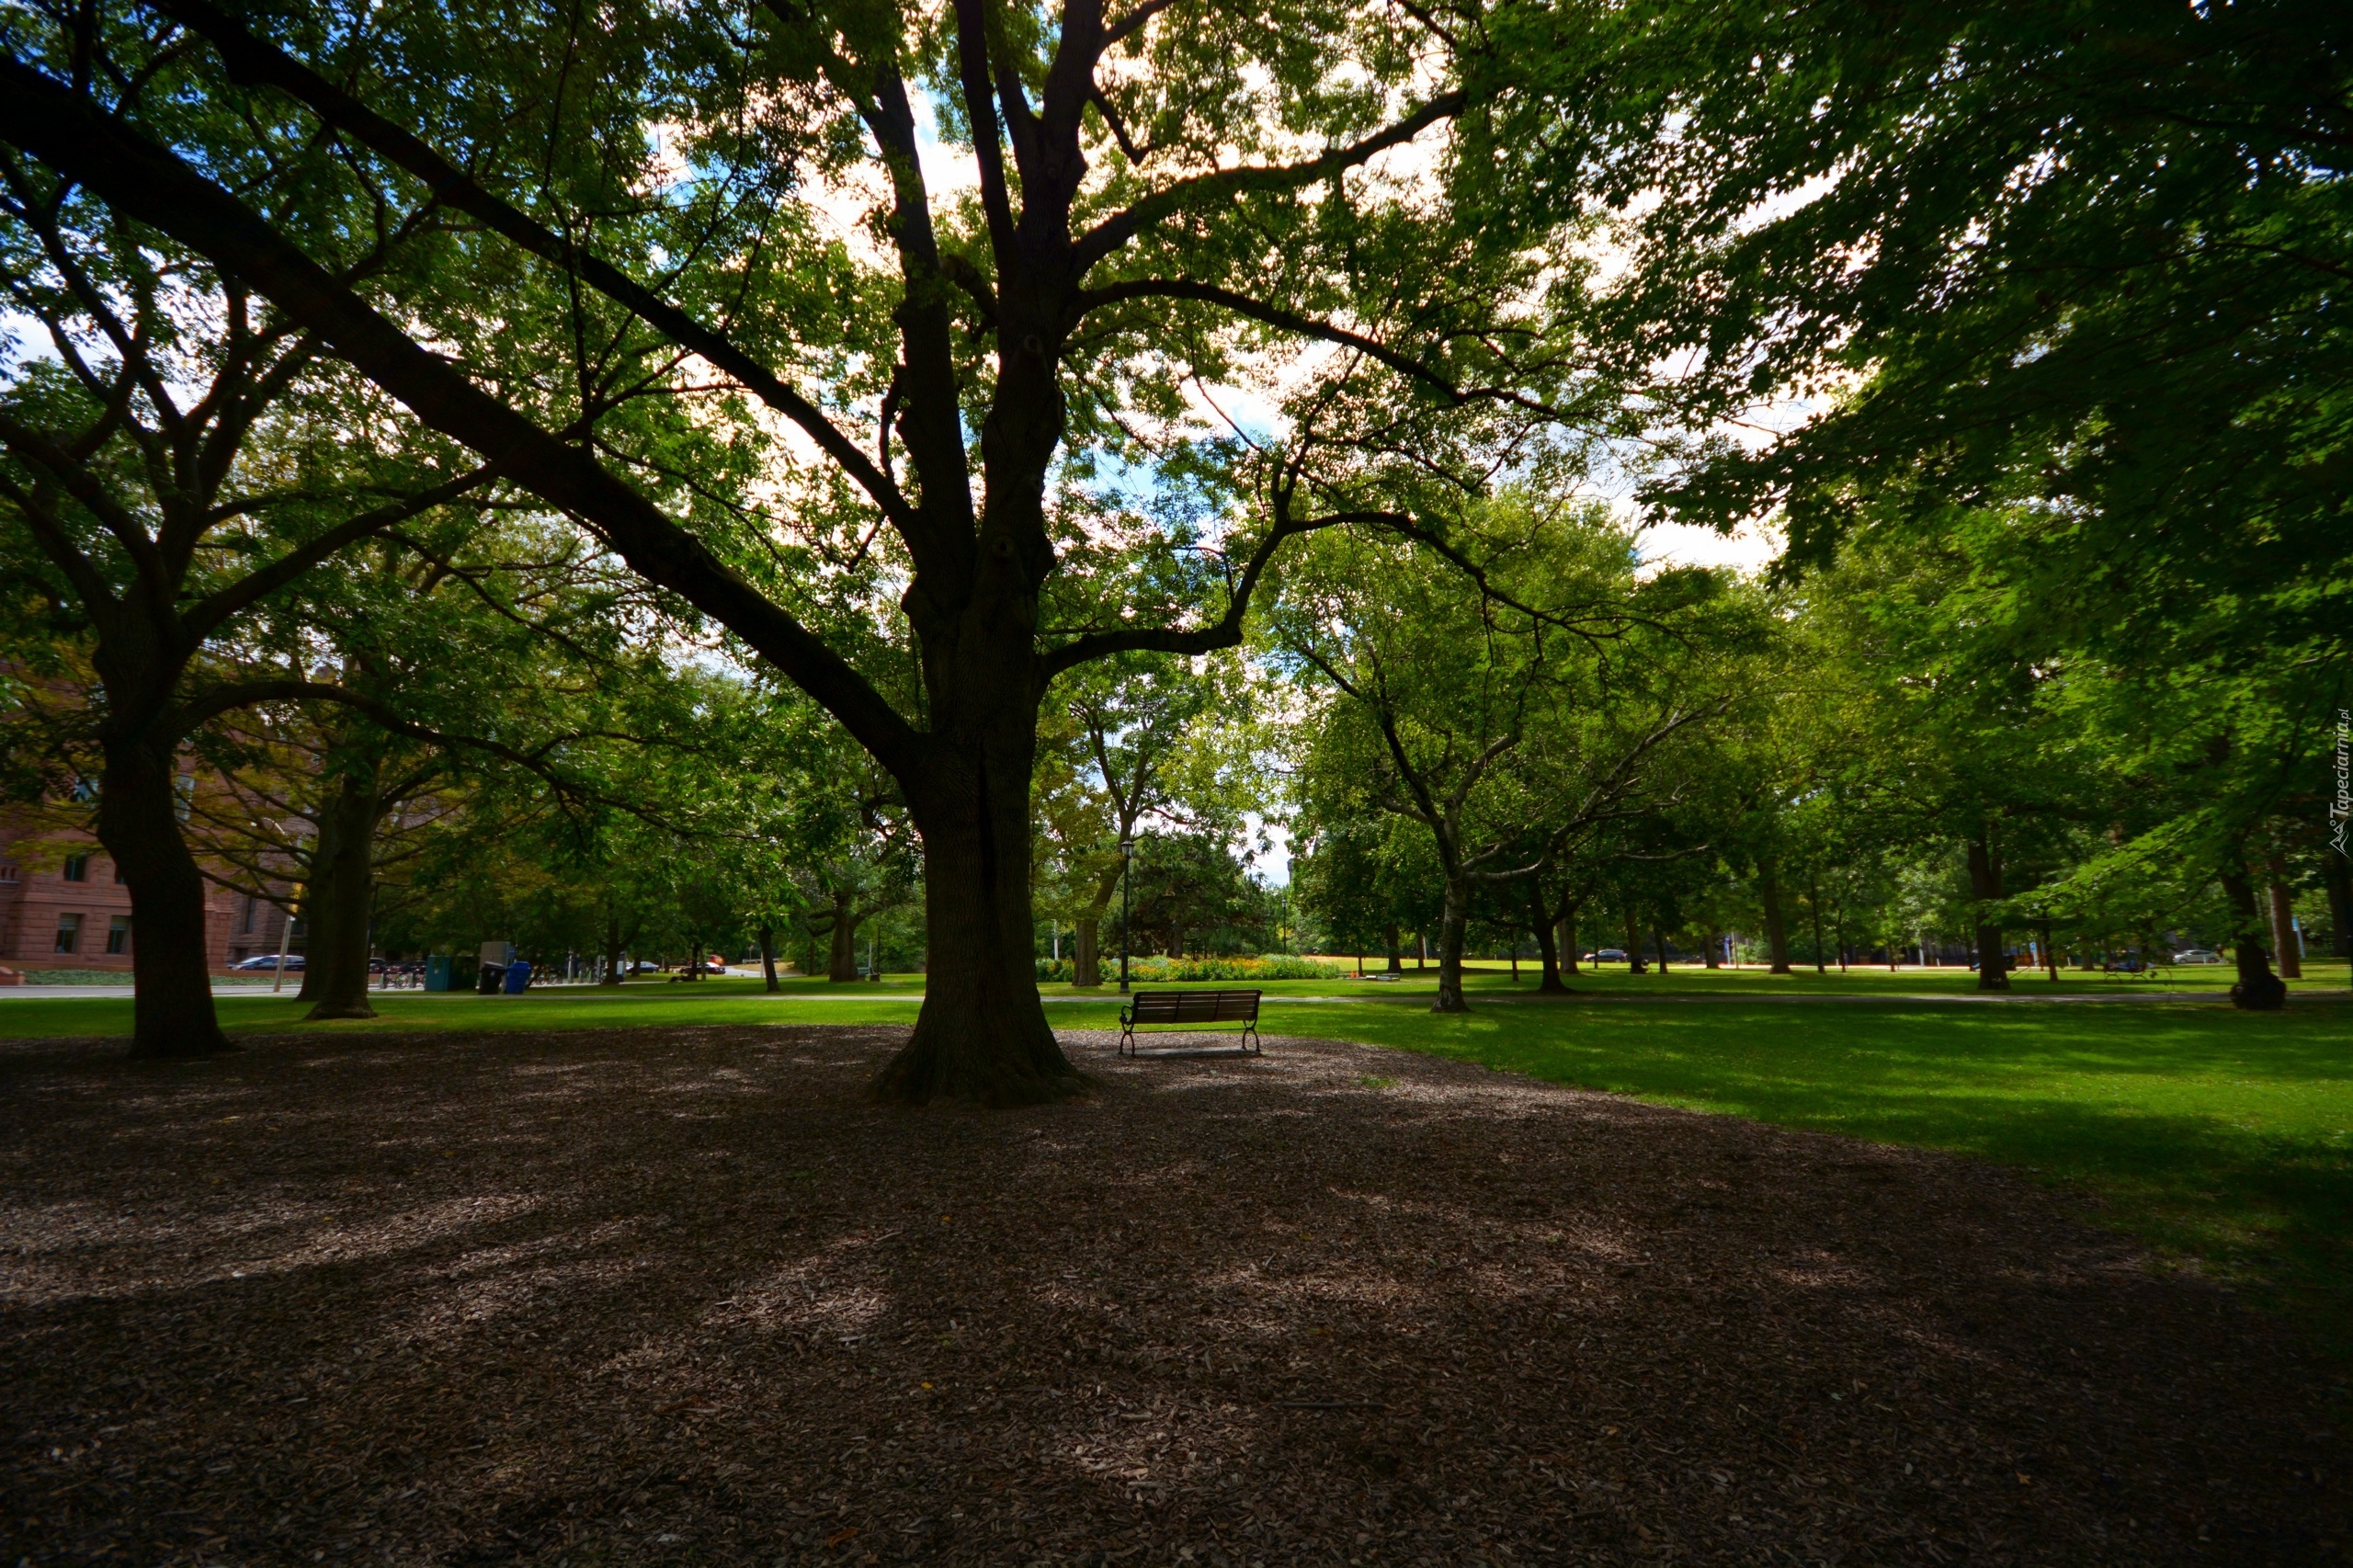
(117, 874)
(78, 868)
(69, 933)
(247, 928)
(119, 934)
(7, 873)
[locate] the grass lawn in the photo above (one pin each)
(2223, 1136)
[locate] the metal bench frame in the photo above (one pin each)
(1182, 1007)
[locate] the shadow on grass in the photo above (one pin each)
(2206, 1132)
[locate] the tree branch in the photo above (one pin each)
(211, 611)
(149, 184)
(1225, 633)
(251, 59)
(1122, 226)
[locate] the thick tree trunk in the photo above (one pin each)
(172, 1012)
(612, 948)
(1085, 951)
(2283, 922)
(1715, 958)
(1659, 938)
(1634, 964)
(1776, 929)
(2049, 955)
(1548, 951)
(1396, 954)
(1567, 937)
(341, 901)
(2259, 990)
(841, 963)
(1985, 886)
(1454, 916)
(2339, 878)
(767, 958)
(982, 1033)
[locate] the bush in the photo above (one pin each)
(1164, 971)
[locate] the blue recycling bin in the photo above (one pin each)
(437, 968)
(518, 975)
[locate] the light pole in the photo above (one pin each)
(1127, 878)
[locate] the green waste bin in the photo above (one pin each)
(437, 971)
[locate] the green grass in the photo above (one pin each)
(2209, 1133)
(2223, 1136)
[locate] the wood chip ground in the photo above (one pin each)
(685, 1297)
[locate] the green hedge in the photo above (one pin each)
(1163, 972)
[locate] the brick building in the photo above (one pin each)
(63, 906)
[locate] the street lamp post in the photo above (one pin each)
(1127, 878)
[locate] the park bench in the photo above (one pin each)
(1187, 1008)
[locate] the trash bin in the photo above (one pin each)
(492, 974)
(437, 971)
(518, 975)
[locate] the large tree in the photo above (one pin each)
(167, 470)
(1151, 195)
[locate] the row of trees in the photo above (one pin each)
(352, 313)
(1857, 761)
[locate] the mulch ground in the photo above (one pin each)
(683, 1297)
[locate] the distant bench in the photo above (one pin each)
(1181, 1008)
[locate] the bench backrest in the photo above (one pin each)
(1196, 1006)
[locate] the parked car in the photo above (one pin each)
(267, 962)
(1607, 955)
(642, 966)
(2198, 955)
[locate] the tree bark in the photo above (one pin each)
(1548, 952)
(767, 958)
(1085, 951)
(1396, 954)
(841, 963)
(982, 1034)
(1715, 954)
(172, 1012)
(341, 901)
(2283, 922)
(1985, 886)
(1453, 917)
(612, 947)
(1777, 930)
(2259, 990)
(1634, 964)
(1659, 937)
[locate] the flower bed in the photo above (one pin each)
(1165, 972)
